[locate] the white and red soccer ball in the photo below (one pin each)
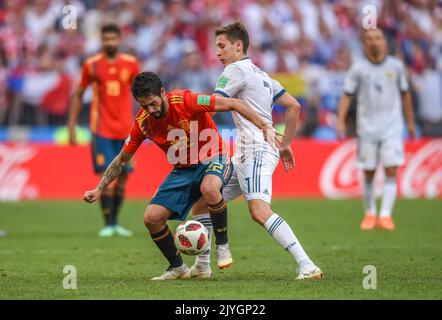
(191, 238)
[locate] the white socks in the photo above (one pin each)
(369, 196)
(388, 197)
(204, 258)
(281, 232)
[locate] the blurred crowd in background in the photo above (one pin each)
(306, 44)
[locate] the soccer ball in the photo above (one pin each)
(191, 238)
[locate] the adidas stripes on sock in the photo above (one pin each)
(281, 232)
(218, 215)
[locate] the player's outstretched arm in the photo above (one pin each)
(223, 104)
(293, 109)
(74, 110)
(344, 105)
(112, 172)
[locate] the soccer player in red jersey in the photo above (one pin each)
(110, 73)
(179, 123)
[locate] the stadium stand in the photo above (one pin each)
(306, 44)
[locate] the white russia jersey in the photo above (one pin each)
(243, 80)
(378, 88)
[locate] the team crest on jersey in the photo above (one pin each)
(389, 74)
(176, 98)
(124, 75)
(100, 159)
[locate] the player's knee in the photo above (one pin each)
(211, 193)
(152, 220)
(369, 175)
(390, 172)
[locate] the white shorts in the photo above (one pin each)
(252, 176)
(388, 152)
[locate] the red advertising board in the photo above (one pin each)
(323, 169)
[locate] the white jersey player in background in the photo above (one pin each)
(380, 84)
(255, 160)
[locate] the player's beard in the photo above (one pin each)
(159, 114)
(111, 51)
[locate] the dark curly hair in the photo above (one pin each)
(110, 27)
(146, 84)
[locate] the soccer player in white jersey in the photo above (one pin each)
(255, 160)
(380, 84)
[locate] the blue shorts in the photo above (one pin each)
(181, 188)
(104, 150)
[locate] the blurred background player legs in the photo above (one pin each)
(3, 233)
(389, 192)
(390, 154)
(369, 200)
(388, 198)
(103, 151)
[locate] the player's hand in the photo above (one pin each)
(286, 155)
(72, 137)
(270, 136)
(411, 131)
(91, 195)
(340, 130)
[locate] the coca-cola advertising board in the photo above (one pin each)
(323, 169)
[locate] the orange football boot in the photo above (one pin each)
(385, 223)
(369, 222)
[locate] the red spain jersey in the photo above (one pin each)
(187, 125)
(111, 109)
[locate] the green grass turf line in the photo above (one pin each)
(45, 236)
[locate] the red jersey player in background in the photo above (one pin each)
(110, 73)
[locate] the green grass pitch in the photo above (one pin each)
(43, 237)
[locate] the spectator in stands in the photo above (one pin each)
(3, 91)
(295, 37)
(428, 86)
